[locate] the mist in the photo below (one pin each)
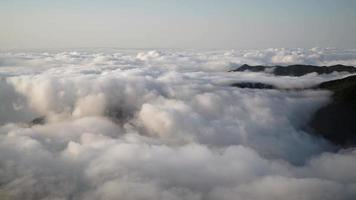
(166, 124)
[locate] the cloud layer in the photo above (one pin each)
(166, 125)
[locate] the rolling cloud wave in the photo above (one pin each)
(166, 125)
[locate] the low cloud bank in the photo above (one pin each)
(166, 125)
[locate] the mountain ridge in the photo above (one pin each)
(295, 70)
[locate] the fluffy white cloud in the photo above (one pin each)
(165, 125)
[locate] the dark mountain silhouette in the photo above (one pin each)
(253, 85)
(295, 70)
(337, 120)
(38, 121)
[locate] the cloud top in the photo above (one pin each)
(166, 125)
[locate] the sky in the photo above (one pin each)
(177, 24)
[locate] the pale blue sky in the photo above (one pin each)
(177, 23)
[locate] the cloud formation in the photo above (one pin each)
(165, 125)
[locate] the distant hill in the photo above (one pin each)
(253, 85)
(295, 70)
(337, 120)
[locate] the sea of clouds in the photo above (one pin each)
(165, 124)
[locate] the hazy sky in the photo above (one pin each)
(177, 23)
